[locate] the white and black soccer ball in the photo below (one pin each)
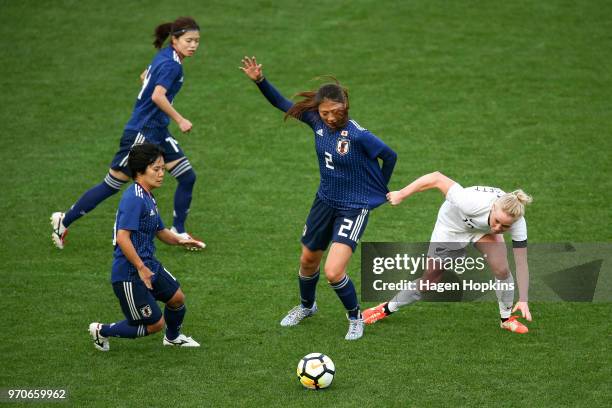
(316, 371)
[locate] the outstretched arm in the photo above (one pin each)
(170, 238)
(253, 70)
(426, 182)
(522, 277)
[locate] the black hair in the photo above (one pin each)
(312, 99)
(176, 28)
(333, 92)
(141, 156)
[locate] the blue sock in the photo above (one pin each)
(346, 292)
(91, 198)
(174, 321)
(308, 288)
(123, 329)
(186, 177)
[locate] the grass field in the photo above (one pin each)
(514, 94)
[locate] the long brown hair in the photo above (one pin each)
(312, 99)
(176, 28)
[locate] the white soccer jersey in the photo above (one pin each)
(464, 216)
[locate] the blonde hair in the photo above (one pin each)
(514, 203)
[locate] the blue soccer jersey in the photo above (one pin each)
(165, 70)
(137, 213)
(351, 176)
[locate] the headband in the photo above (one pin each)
(184, 30)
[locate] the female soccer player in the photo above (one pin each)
(161, 81)
(352, 184)
(477, 215)
(138, 278)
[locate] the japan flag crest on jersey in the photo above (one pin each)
(343, 144)
(146, 311)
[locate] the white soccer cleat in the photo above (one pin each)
(59, 231)
(297, 314)
(355, 330)
(185, 235)
(99, 341)
(181, 341)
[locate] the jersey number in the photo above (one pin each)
(348, 224)
(145, 82)
(328, 161)
(173, 142)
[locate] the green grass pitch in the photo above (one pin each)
(514, 94)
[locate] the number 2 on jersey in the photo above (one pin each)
(328, 161)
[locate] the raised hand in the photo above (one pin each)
(251, 68)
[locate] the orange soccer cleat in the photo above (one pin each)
(374, 314)
(513, 325)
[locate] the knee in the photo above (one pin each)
(157, 326)
(433, 275)
(308, 260)
(502, 272)
(177, 300)
(333, 273)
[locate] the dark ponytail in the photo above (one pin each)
(162, 32)
(312, 99)
(177, 28)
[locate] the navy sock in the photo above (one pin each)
(91, 198)
(123, 329)
(308, 288)
(186, 177)
(174, 321)
(346, 292)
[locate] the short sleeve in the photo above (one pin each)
(160, 223)
(372, 145)
(168, 74)
(519, 231)
(462, 199)
(130, 210)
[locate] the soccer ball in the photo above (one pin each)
(316, 371)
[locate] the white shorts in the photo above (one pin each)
(449, 244)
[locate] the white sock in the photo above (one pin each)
(403, 298)
(505, 297)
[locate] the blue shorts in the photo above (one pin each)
(326, 224)
(158, 136)
(138, 303)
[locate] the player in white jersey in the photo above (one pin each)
(478, 215)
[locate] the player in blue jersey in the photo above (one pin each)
(138, 278)
(352, 184)
(151, 115)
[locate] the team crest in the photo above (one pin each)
(342, 146)
(146, 311)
